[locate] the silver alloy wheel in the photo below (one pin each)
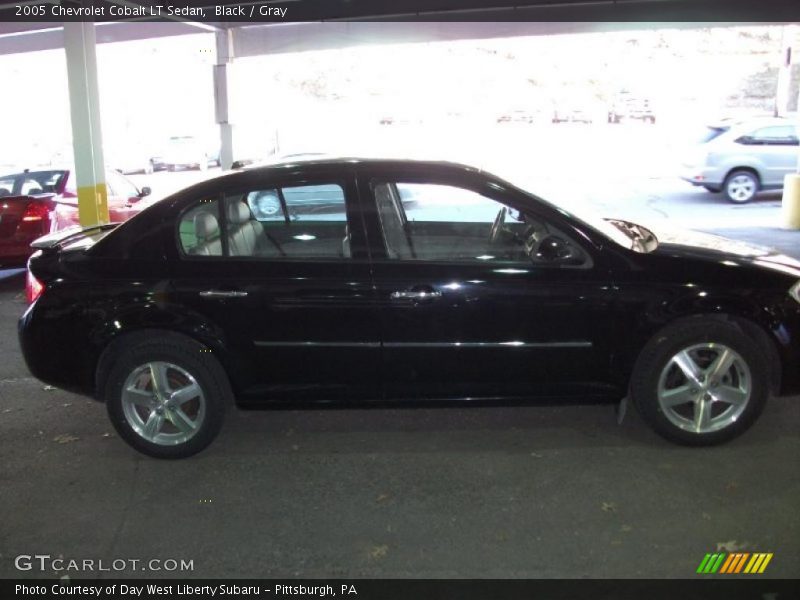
(163, 403)
(704, 388)
(741, 188)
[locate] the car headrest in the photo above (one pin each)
(238, 212)
(206, 226)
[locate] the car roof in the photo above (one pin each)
(759, 121)
(330, 166)
(321, 162)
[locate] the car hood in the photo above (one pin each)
(695, 244)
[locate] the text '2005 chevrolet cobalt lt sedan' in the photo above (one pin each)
(382, 280)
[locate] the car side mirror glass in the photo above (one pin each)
(145, 191)
(556, 250)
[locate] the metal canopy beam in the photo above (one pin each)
(16, 39)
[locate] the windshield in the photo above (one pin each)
(628, 235)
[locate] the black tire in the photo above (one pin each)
(656, 356)
(185, 354)
(741, 186)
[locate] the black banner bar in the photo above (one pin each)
(731, 588)
(277, 11)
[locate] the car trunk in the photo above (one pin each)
(22, 220)
(56, 246)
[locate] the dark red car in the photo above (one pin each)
(35, 203)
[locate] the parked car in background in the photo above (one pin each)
(37, 202)
(130, 160)
(571, 114)
(740, 158)
(476, 291)
(630, 107)
(188, 152)
(516, 116)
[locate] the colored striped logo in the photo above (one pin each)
(735, 562)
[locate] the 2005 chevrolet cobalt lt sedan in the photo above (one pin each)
(381, 280)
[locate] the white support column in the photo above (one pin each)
(87, 139)
(225, 56)
(790, 204)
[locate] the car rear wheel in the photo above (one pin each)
(167, 397)
(741, 186)
(700, 383)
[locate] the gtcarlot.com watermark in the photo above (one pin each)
(58, 564)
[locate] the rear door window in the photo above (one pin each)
(777, 135)
(199, 229)
(299, 221)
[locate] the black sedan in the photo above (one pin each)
(476, 291)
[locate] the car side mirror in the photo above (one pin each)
(556, 250)
(145, 191)
(747, 140)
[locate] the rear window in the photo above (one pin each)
(32, 182)
(710, 133)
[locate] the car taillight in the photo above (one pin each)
(35, 211)
(33, 288)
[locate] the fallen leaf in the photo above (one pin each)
(706, 516)
(295, 447)
(731, 486)
(626, 528)
(537, 455)
(382, 497)
(106, 435)
(609, 507)
(48, 388)
(65, 438)
(66, 404)
(377, 552)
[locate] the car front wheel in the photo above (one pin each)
(741, 187)
(700, 383)
(167, 397)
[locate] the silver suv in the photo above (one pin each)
(740, 158)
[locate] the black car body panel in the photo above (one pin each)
(331, 329)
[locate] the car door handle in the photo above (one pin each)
(416, 295)
(222, 294)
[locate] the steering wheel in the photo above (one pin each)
(497, 226)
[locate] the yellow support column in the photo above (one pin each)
(87, 139)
